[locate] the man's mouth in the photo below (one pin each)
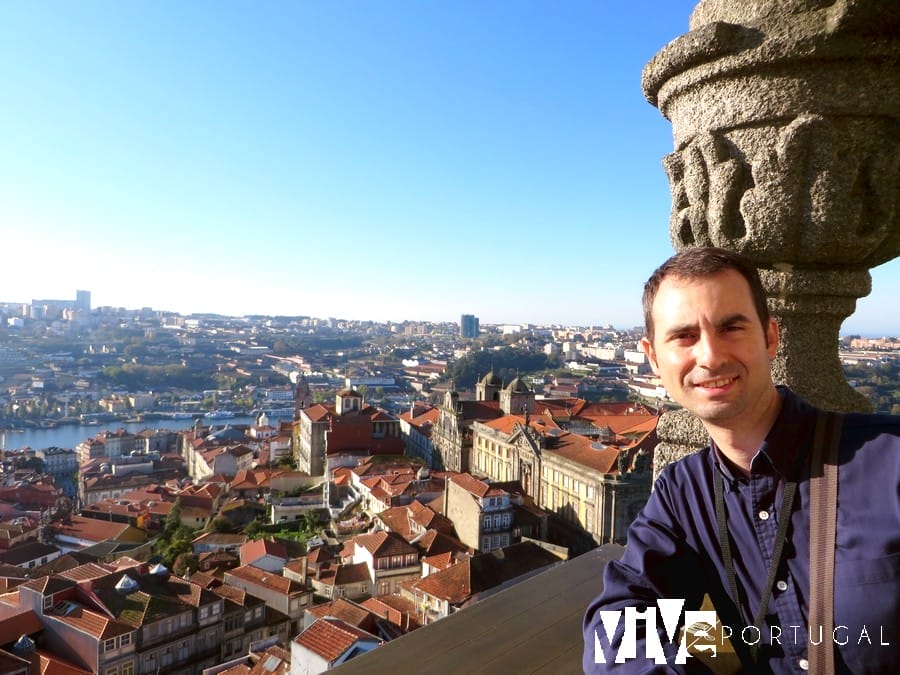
(718, 383)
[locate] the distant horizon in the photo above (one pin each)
(482, 322)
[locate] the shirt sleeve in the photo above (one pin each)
(657, 563)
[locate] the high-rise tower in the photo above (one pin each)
(468, 326)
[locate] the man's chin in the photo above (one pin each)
(715, 412)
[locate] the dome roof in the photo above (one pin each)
(492, 380)
(518, 386)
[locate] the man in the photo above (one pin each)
(710, 339)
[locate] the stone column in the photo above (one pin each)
(786, 120)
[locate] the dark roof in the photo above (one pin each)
(459, 582)
(25, 552)
(492, 379)
(518, 386)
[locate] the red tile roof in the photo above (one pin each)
(432, 542)
(476, 487)
(331, 638)
(91, 529)
(268, 579)
(51, 664)
(395, 608)
(254, 550)
(591, 454)
(93, 623)
(381, 544)
(318, 412)
(24, 623)
(346, 610)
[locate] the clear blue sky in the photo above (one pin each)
(368, 159)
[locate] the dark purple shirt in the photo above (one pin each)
(673, 550)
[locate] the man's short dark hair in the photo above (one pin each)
(702, 262)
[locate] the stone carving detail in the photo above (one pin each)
(821, 193)
(707, 181)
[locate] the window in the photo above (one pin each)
(109, 645)
(204, 612)
(48, 602)
(125, 639)
(216, 608)
(111, 671)
(128, 668)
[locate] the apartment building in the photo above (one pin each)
(243, 615)
(388, 557)
(284, 595)
(482, 514)
(58, 461)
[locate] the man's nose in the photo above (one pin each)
(709, 351)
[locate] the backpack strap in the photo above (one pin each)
(823, 491)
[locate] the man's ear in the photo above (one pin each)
(647, 346)
(772, 338)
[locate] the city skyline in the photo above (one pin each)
(383, 161)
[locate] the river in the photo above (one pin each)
(70, 435)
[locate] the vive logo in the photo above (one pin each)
(698, 635)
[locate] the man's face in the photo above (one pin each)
(710, 350)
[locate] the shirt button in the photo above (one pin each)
(763, 515)
(804, 664)
(781, 585)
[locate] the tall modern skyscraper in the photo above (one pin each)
(83, 300)
(468, 326)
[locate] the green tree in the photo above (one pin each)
(254, 529)
(179, 544)
(173, 521)
(185, 563)
(220, 524)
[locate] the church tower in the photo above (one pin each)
(488, 387)
(302, 396)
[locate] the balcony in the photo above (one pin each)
(531, 627)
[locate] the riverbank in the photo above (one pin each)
(70, 435)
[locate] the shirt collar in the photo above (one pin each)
(787, 440)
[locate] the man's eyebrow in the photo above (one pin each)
(730, 320)
(681, 328)
(733, 319)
